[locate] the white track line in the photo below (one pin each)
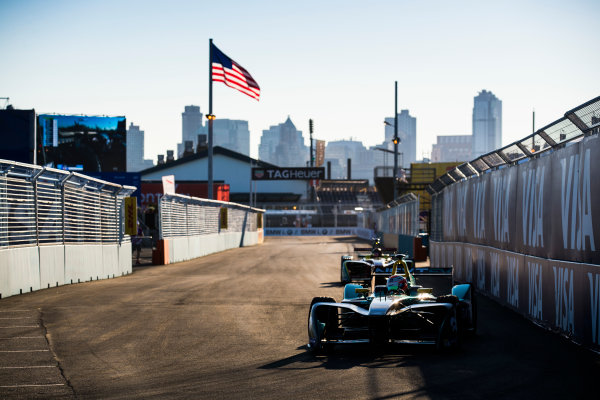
(9, 311)
(25, 386)
(22, 351)
(19, 326)
(22, 337)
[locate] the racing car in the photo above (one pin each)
(359, 270)
(392, 309)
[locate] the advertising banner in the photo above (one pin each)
(560, 295)
(575, 211)
(273, 174)
(311, 231)
(130, 216)
(501, 210)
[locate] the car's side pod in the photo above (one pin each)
(463, 291)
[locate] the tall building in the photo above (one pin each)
(407, 132)
(232, 134)
(191, 127)
(283, 145)
(452, 148)
(229, 133)
(363, 161)
(487, 123)
(135, 150)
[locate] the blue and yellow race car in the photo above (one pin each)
(392, 308)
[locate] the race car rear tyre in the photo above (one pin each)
(448, 338)
(330, 319)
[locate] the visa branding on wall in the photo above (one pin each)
(527, 236)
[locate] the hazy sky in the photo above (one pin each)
(332, 61)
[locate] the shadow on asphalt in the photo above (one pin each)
(344, 357)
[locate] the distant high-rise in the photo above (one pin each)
(283, 145)
(232, 134)
(229, 133)
(452, 148)
(407, 132)
(135, 150)
(191, 127)
(487, 123)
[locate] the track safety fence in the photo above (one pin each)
(190, 227)
(519, 224)
(44, 212)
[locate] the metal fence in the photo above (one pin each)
(401, 217)
(182, 216)
(45, 206)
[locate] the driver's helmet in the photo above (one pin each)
(377, 252)
(397, 283)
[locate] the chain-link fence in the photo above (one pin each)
(44, 206)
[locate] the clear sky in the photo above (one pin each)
(332, 61)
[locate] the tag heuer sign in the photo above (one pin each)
(272, 174)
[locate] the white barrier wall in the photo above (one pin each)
(26, 269)
(188, 248)
(191, 227)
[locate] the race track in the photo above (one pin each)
(233, 326)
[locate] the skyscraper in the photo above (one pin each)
(191, 127)
(487, 123)
(232, 134)
(283, 145)
(407, 132)
(452, 148)
(135, 150)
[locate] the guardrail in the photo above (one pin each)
(58, 227)
(192, 227)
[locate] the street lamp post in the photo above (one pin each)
(396, 140)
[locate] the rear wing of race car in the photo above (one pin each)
(384, 249)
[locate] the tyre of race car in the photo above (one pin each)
(448, 338)
(323, 315)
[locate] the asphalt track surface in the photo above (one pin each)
(233, 326)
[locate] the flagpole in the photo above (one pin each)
(210, 117)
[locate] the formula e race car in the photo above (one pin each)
(360, 269)
(392, 309)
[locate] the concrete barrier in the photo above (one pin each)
(52, 265)
(19, 270)
(185, 248)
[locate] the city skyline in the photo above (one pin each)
(154, 60)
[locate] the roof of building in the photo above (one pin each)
(203, 154)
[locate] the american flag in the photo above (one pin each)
(225, 70)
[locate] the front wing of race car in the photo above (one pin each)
(344, 323)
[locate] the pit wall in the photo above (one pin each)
(25, 269)
(525, 236)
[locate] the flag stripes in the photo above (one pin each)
(236, 79)
(225, 70)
